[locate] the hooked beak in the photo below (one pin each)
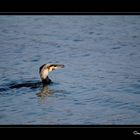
(55, 66)
(59, 66)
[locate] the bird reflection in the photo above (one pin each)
(45, 91)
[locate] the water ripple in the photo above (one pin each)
(101, 81)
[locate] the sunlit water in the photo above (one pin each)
(100, 83)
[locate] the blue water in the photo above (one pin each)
(100, 83)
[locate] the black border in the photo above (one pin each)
(73, 8)
(69, 13)
(70, 6)
(91, 131)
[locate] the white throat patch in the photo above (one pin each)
(44, 73)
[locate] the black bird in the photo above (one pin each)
(43, 71)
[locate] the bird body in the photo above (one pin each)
(43, 72)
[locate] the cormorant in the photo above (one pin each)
(43, 71)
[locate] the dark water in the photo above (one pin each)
(100, 83)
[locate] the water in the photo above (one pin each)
(100, 83)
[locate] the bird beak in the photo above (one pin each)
(55, 66)
(59, 66)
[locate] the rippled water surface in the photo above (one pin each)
(100, 83)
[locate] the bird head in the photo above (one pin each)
(46, 68)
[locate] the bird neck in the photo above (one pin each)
(47, 80)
